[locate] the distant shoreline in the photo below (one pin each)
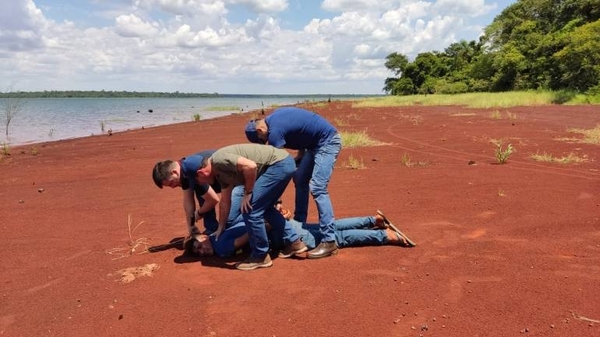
(153, 94)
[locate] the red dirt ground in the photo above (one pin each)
(503, 250)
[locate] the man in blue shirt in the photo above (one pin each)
(182, 173)
(374, 230)
(318, 144)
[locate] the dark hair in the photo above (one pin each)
(162, 172)
(188, 245)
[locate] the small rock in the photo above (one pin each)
(120, 317)
(471, 162)
(424, 327)
(40, 190)
(21, 201)
(396, 321)
(551, 326)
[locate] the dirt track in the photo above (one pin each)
(503, 250)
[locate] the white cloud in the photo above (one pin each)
(132, 26)
(263, 6)
(190, 45)
(20, 25)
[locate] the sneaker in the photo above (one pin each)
(252, 263)
(293, 248)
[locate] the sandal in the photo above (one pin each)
(402, 236)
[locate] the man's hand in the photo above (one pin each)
(246, 206)
(218, 232)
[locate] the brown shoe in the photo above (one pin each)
(409, 242)
(252, 263)
(293, 248)
(324, 249)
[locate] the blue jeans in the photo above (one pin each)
(313, 175)
(210, 218)
(268, 188)
(349, 232)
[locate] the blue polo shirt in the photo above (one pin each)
(298, 129)
(189, 166)
(225, 246)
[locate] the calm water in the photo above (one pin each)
(49, 119)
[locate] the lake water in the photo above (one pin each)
(49, 119)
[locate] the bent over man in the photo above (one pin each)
(318, 144)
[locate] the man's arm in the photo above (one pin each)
(248, 169)
(211, 199)
(189, 206)
(224, 208)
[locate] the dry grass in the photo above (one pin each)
(406, 161)
(137, 246)
(569, 159)
(354, 163)
(590, 136)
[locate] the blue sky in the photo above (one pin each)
(225, 46)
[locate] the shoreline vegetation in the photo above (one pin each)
(154, 94)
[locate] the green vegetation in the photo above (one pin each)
(531, 45)
(357, 139)
(571, 158)
(470, 100)
(196, 117)
(222, 108)
(503, 154)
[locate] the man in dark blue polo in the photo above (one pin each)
(318, 144)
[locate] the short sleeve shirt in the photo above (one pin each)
(189, 166)
(298, 129)
(224, 161)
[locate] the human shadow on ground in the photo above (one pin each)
(175, 243)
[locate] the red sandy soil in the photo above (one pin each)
(503, 250)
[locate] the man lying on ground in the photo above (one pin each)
(374, 230)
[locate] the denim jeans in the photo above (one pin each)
(209, 218)
(268, 188)
(313, 175)
(349, 232)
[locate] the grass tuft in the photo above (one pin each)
(357, 139)
(137, 246)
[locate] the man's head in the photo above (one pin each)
(167, 173)
(198, 244)
(204, 174)
(257, 131)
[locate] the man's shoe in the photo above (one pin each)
(409, 242)
(324, 249)
(293, 248)
(252, 263)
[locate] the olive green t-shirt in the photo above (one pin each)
(224, 161)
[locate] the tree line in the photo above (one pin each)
(101, 94)
(532, 44)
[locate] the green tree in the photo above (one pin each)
(580, 59)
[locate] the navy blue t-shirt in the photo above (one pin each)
(189, 166)
(225, 246)
(298, 129)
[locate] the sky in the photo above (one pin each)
(225, 46)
